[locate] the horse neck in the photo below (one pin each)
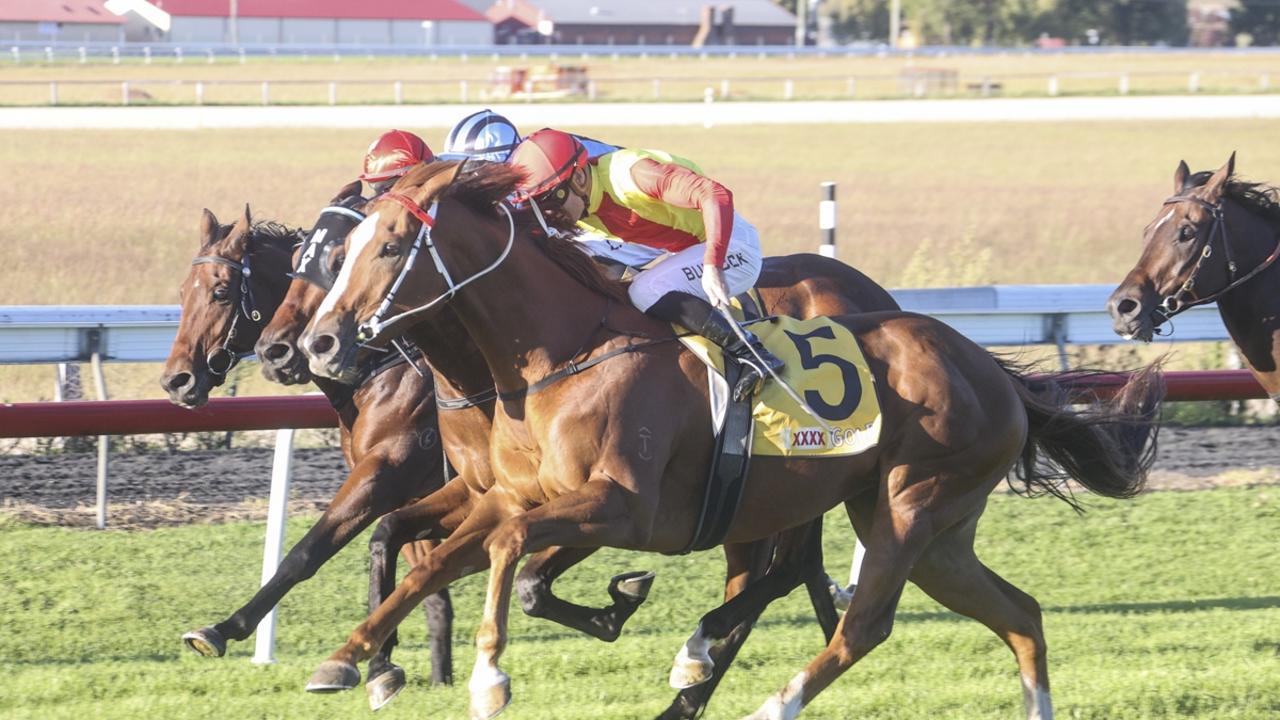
(529, 316)
(456, 362)
(1251, 312)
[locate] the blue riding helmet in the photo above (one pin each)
(483, 135)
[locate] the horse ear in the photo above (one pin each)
(238, 238)
(1213, 188)
(433, 186)
(208, 228)
(1180, 176)
(351, 189)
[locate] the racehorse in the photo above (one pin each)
(614, 452)
(802, 285)
(1215, 239)
(235, 284)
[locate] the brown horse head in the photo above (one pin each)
(316, 264)
(398, 235)
(234, 284)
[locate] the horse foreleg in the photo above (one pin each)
(434, 516)
(371, 490)
(533, 587)
(594, 515)
(460, 555)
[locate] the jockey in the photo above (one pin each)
(390, 156)
(660, 206)
(486, 135)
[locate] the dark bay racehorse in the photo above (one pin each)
(617, 456)
(1215, 239)
(235, 285)
(801, 286)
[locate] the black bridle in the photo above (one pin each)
(223, 358)
(1174, 304)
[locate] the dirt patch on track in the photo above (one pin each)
(154, 489)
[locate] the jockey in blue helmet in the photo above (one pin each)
(486, 135)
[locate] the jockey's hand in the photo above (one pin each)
(713, 285)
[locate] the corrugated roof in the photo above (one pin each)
(68, 11)
(643, 12)
(348, 9)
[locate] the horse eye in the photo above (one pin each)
(1188, 232)
(390, 250)
(221, 293)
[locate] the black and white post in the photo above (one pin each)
(827, 220)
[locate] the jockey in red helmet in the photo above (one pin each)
(390, 156)
(661, 207)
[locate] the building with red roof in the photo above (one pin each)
(58, 20)
(396, 23)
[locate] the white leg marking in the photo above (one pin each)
(693, 664)
(485, 675)
(785, 704)
(1036, 700)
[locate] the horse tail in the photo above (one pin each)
(1108, 447)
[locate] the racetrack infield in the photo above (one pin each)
(155, 489)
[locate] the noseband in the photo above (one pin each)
(1173, 304)
(225, 357)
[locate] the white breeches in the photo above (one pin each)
(682, 271)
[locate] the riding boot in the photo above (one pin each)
(697, 315)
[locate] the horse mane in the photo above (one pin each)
(268, 231)
(488, 184)
(1260, 197)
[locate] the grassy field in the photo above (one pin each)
(110, 217)
(369, 80)
(1163, 607)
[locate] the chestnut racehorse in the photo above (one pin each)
(1215, 239)
(616, 455)
(802, 285)
(234, 286)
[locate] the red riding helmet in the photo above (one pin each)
(548, 159)
(392, 154)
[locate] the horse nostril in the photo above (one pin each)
(322, 344)
(1127, 307)
(177, 381)
(276, 352)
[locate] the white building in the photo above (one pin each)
(58, 21)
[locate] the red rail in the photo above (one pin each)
(132, 417)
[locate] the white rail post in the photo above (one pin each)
(827, 220)
(333, 93)
(1124, 83)
(266, 92)
(273, 546)
(115, 55)
(398, 91)
(146, 55)
(1053, 86)
(209, 59)
(104, 441)
(1193, 83)
(53, 92)
(84, 54)
(48, 54)
(17, 54)
(724, 89)
(789, 89)
(657, 89)
(708, 98)
(853, 86)
(177, 55)
(241, 51)
(124, 93)
(462, 89)
(1264, 81)
(199, 92)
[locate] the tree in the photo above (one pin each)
(1259, 18)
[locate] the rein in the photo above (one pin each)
(1173, 304)
(222, 359)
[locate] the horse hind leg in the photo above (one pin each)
(952, 574)
(533, 587)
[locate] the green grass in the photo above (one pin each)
(1164, 607)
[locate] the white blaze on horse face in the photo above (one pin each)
(360, 237)
(1163, 220)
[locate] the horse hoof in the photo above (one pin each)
(205, 641)
(688, 671)
(633, 586)
(385, 687)
(488, 701)
(842, 597)
(333, 676)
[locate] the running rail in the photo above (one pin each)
(134, 417)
